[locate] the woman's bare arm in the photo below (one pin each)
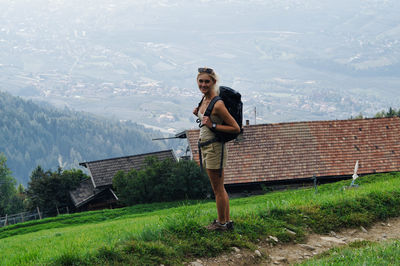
(231, 126)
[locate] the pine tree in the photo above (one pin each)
(9, 201)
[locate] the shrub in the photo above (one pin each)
(161, 181)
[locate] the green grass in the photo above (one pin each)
(173, 233)
(88, 217)
(360, 253)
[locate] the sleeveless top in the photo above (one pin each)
(206, 133)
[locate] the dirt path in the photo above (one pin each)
(285, 254)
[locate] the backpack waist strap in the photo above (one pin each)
(205, 143)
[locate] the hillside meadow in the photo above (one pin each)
(174, 233)
(360, 253)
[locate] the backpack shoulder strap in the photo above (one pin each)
(200, 102)
(211, 105)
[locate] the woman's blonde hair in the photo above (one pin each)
(211, 73)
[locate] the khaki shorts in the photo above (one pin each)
(212, 155)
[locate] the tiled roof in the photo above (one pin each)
(83, 193)
(86, 192)
(298, 150)
(103, 171)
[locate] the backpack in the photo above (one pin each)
(233, 102)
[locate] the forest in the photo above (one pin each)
(35, 134)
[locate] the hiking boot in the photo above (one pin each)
(229, 225)
(217, 226)
(211, 224)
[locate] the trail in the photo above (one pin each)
(287, 254)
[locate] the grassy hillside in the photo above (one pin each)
(171, 234)
(32, 135)
(361, 253)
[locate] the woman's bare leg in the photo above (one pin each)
(221, 197)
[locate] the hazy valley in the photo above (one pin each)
(137, 61)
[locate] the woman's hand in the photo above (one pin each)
(196, 111)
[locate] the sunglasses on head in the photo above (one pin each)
(206, 81)
(206, 70)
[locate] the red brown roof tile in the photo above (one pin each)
(296, 150)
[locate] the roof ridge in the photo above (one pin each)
(329, 121)
(317, 121)
(128, 156)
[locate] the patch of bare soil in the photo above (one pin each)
(286, 254)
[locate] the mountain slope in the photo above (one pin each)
(32, 135)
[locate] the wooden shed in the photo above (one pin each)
(96, 192)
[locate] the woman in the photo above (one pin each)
(211, 154)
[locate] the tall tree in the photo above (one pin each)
(9, 201)
(390, 113)
(50, 190)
